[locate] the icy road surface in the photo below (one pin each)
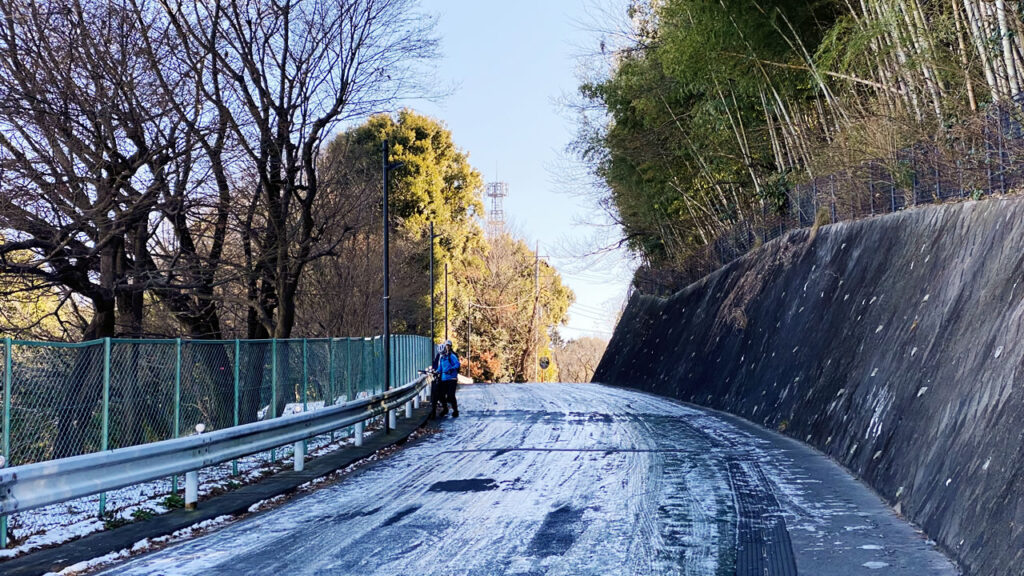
(574, 479)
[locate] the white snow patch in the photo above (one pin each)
(874, 565)
(265, 503)
(921, 391)
(871, 547)
(87, 565)
(60, 523)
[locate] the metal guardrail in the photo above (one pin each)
(43, 483)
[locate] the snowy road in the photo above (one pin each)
(574, 479)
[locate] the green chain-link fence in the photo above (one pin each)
(63, 400)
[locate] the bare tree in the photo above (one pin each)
(292, 70)
(577, 359)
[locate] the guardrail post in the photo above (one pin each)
(106, 413)
(408, 409)
(300, 455)
(238, 356)
(392, 419)
(7, 428)
(177, 402)
(358, 437)
(191, 489)
(192, 481)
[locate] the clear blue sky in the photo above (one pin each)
(510, 63)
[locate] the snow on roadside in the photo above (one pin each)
(143, 545)
(53, 525)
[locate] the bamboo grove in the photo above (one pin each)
(707, 114)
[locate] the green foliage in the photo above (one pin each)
(143, 514)
(434, 183)
(112, 520)
(515, 302)
(173, 501)
(717, 110)
(681, 105)
(774, 191)
(903, 175)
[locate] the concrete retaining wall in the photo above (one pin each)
(893, 344)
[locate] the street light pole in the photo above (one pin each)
(446, 301)
(385, 168)
(433, 336)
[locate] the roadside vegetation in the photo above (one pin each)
(699, 119)
(213, 170)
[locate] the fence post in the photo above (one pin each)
(238, 361)
(349, 395)
(330, 373)
(106, 412)
(7, 428)
(177, 402)
(1002, 153)
(988, 155)
(871, 190)
(305, 375)
(330, 377)
(913, 175)
(832, 193)
(959, 176)
(273, 389)
(892, 190)
(301, 444)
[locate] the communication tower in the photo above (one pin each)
(496, 191)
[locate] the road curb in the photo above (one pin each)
(230, 503)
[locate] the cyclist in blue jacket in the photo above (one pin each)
(446, 364)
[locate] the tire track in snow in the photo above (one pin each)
(532, 479)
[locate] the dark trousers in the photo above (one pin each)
(449, 387)
(443, 393)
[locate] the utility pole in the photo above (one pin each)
(530, 350)
(536, 303)
(469, 339)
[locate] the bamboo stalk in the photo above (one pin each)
(965, 63)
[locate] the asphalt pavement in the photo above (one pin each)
(574, 479)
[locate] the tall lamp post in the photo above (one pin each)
(385, 168)
(446, 301)
(433, 333)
